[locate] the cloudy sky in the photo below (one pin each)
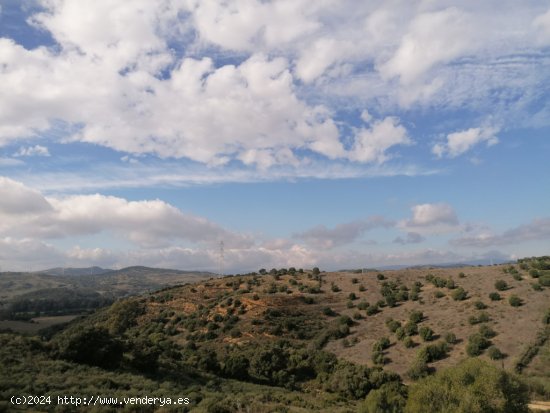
(333, 133)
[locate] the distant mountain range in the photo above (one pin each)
(74, 271)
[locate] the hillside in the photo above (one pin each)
(308, 341)
(24, 294)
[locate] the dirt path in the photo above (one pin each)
(539, 406)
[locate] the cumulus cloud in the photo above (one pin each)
(151, 223)
(431, 218)
(342, 234)
(537, 229)
(242, 87)
(371, 144)
(460, 142)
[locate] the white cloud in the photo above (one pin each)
(17, 199)
(433, 37)
(542, 25)
(431, 218)
(460, 142)
(372, 143)
(153, 76)
(36, 150)
(25, 212)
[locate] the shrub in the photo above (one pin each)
(534, 273)
(494, 296)
(400, 333)
(546, 317)
(450, 338)
(390, 397)
(384, 342)
(315, 271)
(418, 369)
(410, 329)
(517, 277)
(393, 324)
(487, 331)
(345, 319)
(354, 280)
(537, 287)
(515, 301)
(450, 284)
(476, 344)
(494, 353)
(334, 288)
(416, 317)
(461, 275)
(350, 304)
(372, 310)
(501, 285)
(439, 294)
(472, 386)
(459, 294)
(352, 296)
(378, 358)
(380, 276)
(433, 352)
(357, 316)
(362, 288)
(362, 305)
(426, 333)
(408, 342)
(328, 311)
(480, 305)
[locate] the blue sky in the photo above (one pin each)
(299, 133)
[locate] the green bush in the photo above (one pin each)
(515, 301)
(473, 386)
(459, 294)
(380, 276)
(494, 353)
(389, 398)
(408, 342)
(450, 338)
(501, 285)
(393, 325)
(480, 305)
(476, 344)
(410, 329)
(494, 296)
(372, 310)
(426, 333)
(418, 369)
(537, 287)
(416, 317)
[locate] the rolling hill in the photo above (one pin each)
(300, 341)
